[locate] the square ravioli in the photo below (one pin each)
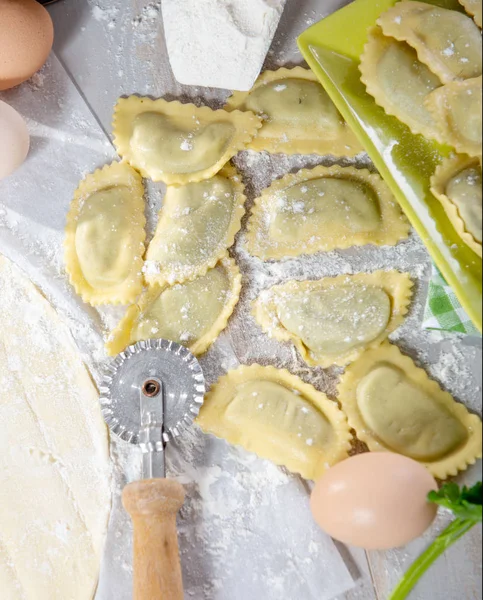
(323, 209)
(394, 407)
(299, 116)
(192, 314)
(457, 184)
(197, 224)
(333, 320)
(179, 143)
(278, 417)
(104, 239)
(446, 41)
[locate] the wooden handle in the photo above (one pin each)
(153, 505)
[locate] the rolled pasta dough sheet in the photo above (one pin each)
(54, 458)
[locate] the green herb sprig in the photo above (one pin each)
(466, 505)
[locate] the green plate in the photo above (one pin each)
(333, 48)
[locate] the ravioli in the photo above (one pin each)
(474, 8)
(278, 417)
(457, 183)
(399, 82)
(192, 314)
(394, 406)
(323, 209)
(197, 224)
(457, 110)
(299, 117)
(104, 238)
(448, 42)
(179, 143)
(332, 321)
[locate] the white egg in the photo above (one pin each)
(14, 140)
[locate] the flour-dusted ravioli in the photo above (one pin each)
(278, 417)
(457, 183)
(332, 321)
(192, 314)
(300, 118)
(399, 82)
(447, 41)
(394, 406)
(474, 8)
(179, 143)
(457, 109)
(104, 242)
(323, 209)
(197, 224)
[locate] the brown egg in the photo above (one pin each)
(26, 38)
(375, 501)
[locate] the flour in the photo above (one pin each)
(219, 43)
(148, 13)
(107, 16)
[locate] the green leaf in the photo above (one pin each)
(474, 495)
(466, 503)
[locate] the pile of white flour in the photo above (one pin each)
(219, 43)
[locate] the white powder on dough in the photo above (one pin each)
(54, 434)
(219, 43)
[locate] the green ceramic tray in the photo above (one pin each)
(333, 48)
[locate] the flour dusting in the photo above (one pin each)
(219, 43)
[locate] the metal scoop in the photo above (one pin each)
(150, 394)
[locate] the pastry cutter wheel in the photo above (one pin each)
(150, 394)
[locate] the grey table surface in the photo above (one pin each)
(116, 47)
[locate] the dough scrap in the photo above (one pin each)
(399, 82)
(300, 117)
(324, 209)
(447, 41)
(474, 8)
(278, 417)
(179, 143)
(104, 241)
(394, 407)
(457, 109)
(55, 471)
(197, 224)
(333, 320)
(193, 313)
(457, 184)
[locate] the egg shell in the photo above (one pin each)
(26, 38)
(15, 140)
(375, 501)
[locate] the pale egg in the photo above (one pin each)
(26, 38)
(375, 501)
(14, 140)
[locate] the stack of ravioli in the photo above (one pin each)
(423, 65)
(185, 285)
